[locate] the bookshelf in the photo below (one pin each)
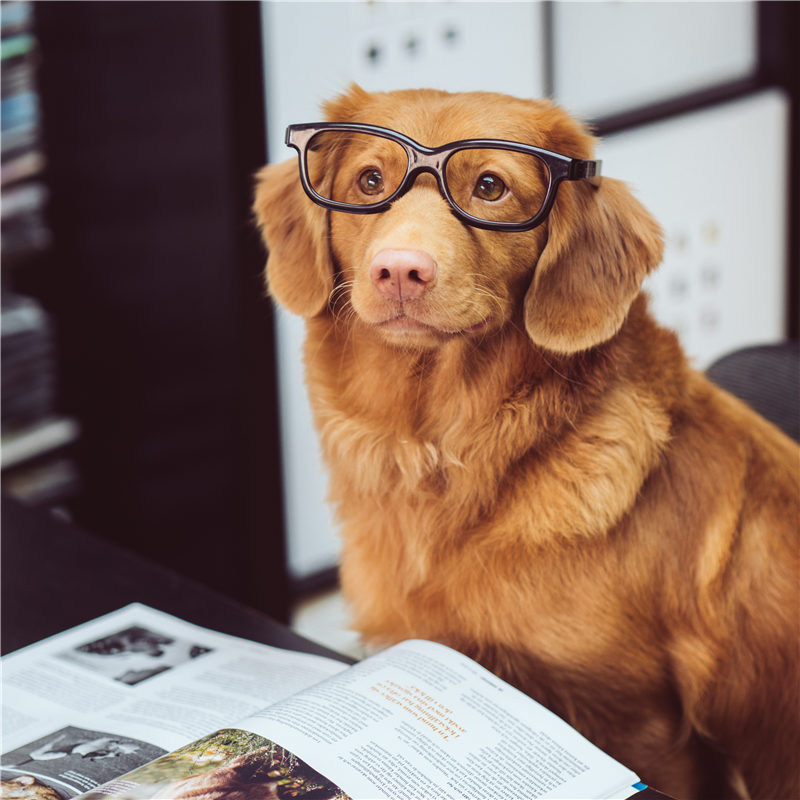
(151, 128)
(38, 465)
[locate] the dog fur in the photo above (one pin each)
(526, 468)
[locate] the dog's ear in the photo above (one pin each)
(601, 243)
(295, 230)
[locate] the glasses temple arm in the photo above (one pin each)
(581, 169)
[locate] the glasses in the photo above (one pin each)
(489, 183)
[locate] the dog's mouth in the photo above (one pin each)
(403, 325)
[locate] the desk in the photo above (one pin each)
(55, 576)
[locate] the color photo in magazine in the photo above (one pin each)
(227, 764)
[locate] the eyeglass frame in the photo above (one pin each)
(434, 160)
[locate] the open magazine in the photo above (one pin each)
(139, 704)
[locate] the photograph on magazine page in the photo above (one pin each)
(70, 761)
(135, 654)
(230, 764)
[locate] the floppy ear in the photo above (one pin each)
(601, 243)
(295, 230)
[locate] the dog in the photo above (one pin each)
(522, 461)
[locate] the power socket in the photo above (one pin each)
(398, 56)
(435, 45)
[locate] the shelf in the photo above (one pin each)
(21, 446)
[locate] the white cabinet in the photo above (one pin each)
(716, 180)
(610, 57)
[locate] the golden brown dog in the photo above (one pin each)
(523, 463)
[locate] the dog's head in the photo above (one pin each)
(420, 275)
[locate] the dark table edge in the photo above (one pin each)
(56, 576)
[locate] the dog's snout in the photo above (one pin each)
(400, 274)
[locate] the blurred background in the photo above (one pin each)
(149, 390)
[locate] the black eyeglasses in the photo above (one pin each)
(489, 183)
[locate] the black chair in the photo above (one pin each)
(767, 378)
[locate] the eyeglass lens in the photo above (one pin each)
(490, 184)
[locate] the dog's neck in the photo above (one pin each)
(400, 423)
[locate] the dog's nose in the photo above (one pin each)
(402, 274)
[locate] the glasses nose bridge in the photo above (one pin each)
(420, 161)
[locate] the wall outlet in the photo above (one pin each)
(414, 51)
(482, 46)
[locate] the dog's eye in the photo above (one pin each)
(370, 181)
(489, 187)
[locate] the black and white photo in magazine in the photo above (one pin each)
(134, 654)
(70, 761)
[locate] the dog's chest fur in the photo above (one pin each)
(461, 495)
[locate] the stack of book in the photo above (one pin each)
(24, 193)
(28, 363)
(34, 436)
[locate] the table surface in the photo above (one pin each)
(55, 576)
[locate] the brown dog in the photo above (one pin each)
(523, 464)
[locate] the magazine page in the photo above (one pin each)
(418, 721)
(101, 699)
